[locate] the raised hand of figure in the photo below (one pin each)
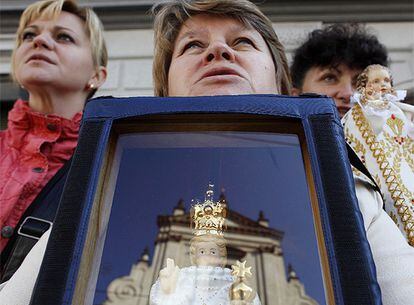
(169, 276)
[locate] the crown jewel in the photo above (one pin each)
(209, 216)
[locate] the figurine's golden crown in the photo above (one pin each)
(209, 216)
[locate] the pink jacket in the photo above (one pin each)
(32, 149)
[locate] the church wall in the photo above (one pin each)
(158, 259)
(251, 261)
(178, 251)
(296, 295)
(249, 242)
(131, 52)
(259, 277)
(140, 274)
(274, 276)
(130, 66)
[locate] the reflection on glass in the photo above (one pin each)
(206, 281)
(194, 260)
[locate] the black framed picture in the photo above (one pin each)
(209, 200)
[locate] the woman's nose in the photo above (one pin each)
(219, 51)
(43, 40)
(345, 92)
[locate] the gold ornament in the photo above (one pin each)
(209, 216)
(392, 180)
(396, 125)
(239, 290)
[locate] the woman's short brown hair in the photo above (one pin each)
(50, 9)
(170, 16)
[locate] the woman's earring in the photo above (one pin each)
(91, 86)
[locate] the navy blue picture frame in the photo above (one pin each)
(352, 271)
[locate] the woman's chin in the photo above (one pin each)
(36, 81)
(221, 89)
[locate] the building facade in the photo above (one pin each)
(128, 34)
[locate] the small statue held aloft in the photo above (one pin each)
(206, 281)
(380, 129)
(374, 88)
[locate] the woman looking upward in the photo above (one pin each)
(228, 47)
(60, 58)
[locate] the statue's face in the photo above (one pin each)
(207, 254)
(379, 80)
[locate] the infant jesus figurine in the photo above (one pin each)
(380, 129)
(206, 281)
(374, 86)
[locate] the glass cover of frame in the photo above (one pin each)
(217, 217)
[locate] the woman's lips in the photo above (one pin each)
(40, 57)
(220, 72)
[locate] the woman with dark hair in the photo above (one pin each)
(330, 60)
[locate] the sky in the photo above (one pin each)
(260, 171)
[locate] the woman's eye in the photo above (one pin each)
(192, 45)
(243, 41)
(64, 37)
(28, 35)
(213, 252)
(329, 78)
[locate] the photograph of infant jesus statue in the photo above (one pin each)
(207, 281)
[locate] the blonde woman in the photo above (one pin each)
(60, 58)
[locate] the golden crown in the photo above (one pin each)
(209, 216)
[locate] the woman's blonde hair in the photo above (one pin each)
(170, 16)
(50, 9)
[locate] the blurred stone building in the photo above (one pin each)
(129, 37)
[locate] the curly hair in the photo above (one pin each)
(348, 44)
